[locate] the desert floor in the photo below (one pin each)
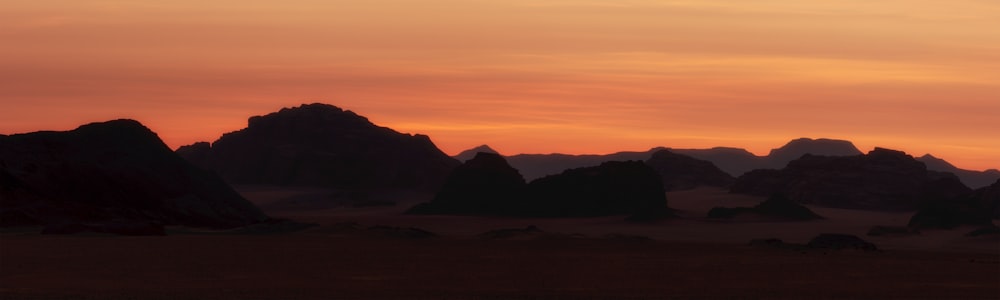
(687, 257)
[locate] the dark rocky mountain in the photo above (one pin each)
(113, 176)
(880, 180)
(973, 179)
(682, 172)
(487, 185)
(777, 207)
(323, 145)
(471, 153)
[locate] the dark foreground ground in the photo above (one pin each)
(685, 258)
(321, 266)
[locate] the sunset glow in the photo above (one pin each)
(570, 76)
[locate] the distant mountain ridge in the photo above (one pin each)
(973, 179)
(734, 161)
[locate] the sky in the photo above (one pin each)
(539, 76)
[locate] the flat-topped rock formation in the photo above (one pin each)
(323, 145)
(880, 180)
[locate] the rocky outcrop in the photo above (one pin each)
(682, 172)
(973, 179)
(487, 185)
(613, 188)
(880, 180)
(325, 146)
(103, 175)
(484, 185)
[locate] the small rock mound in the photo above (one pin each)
(839, 242)
(512, 233)
(777, 206)
(118, 228)
(401, 232)
(985, 231)
(886, 231)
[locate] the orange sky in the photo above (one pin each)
(523, 76)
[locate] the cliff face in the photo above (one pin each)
(323, 145)
(111, 171)
(880, 180)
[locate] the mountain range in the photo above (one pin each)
(734, 161)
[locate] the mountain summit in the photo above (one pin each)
(323, 145)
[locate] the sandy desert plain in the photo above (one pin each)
(342, 257)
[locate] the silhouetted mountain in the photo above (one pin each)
(487, 185)
(682, 172)
(973, 179)
(880, 180)
(484, 185)
(323, 145)
(778, 207)
(534, 166)
(471, 153)
(111, 176)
